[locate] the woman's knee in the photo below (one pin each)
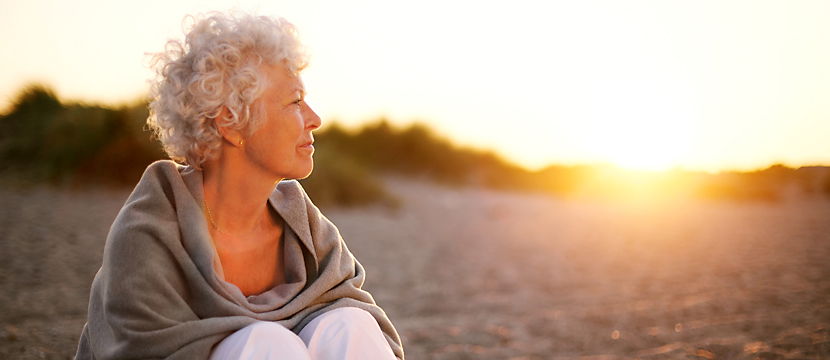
(260, 340)
(267, 330)
(345, 333)
(346, 319)
(351, 317)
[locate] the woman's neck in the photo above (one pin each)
(237, 197)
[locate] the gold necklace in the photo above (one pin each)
(220, 230)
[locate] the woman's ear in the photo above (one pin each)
(232, 136)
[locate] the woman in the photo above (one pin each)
(221, 258)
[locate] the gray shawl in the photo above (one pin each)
(158, 294)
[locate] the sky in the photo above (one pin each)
(648, 85)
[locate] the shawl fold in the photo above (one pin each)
(158, 294)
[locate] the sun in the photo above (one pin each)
(651, 144)
(637, 126)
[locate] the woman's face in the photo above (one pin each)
(281, 147)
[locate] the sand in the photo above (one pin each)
(510, 276)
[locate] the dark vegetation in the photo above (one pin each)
(43, 140)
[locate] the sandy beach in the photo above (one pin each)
(468, 273)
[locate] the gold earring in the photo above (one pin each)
(240, 142)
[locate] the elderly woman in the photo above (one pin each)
(225, 258)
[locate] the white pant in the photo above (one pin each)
(342, 334)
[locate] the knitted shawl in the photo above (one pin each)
(158, 294)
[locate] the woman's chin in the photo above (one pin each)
(302, 174)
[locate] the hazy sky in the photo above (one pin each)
(696, 84)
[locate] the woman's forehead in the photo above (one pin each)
(280, 79)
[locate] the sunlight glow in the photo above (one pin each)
(637, 125)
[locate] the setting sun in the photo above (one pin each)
(637, 125)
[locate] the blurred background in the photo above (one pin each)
(597, 179)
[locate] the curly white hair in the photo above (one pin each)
(217, 66)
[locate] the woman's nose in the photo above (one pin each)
(312, 119)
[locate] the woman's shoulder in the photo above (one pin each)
(163, 169)
(163, 178)
(155, 198)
